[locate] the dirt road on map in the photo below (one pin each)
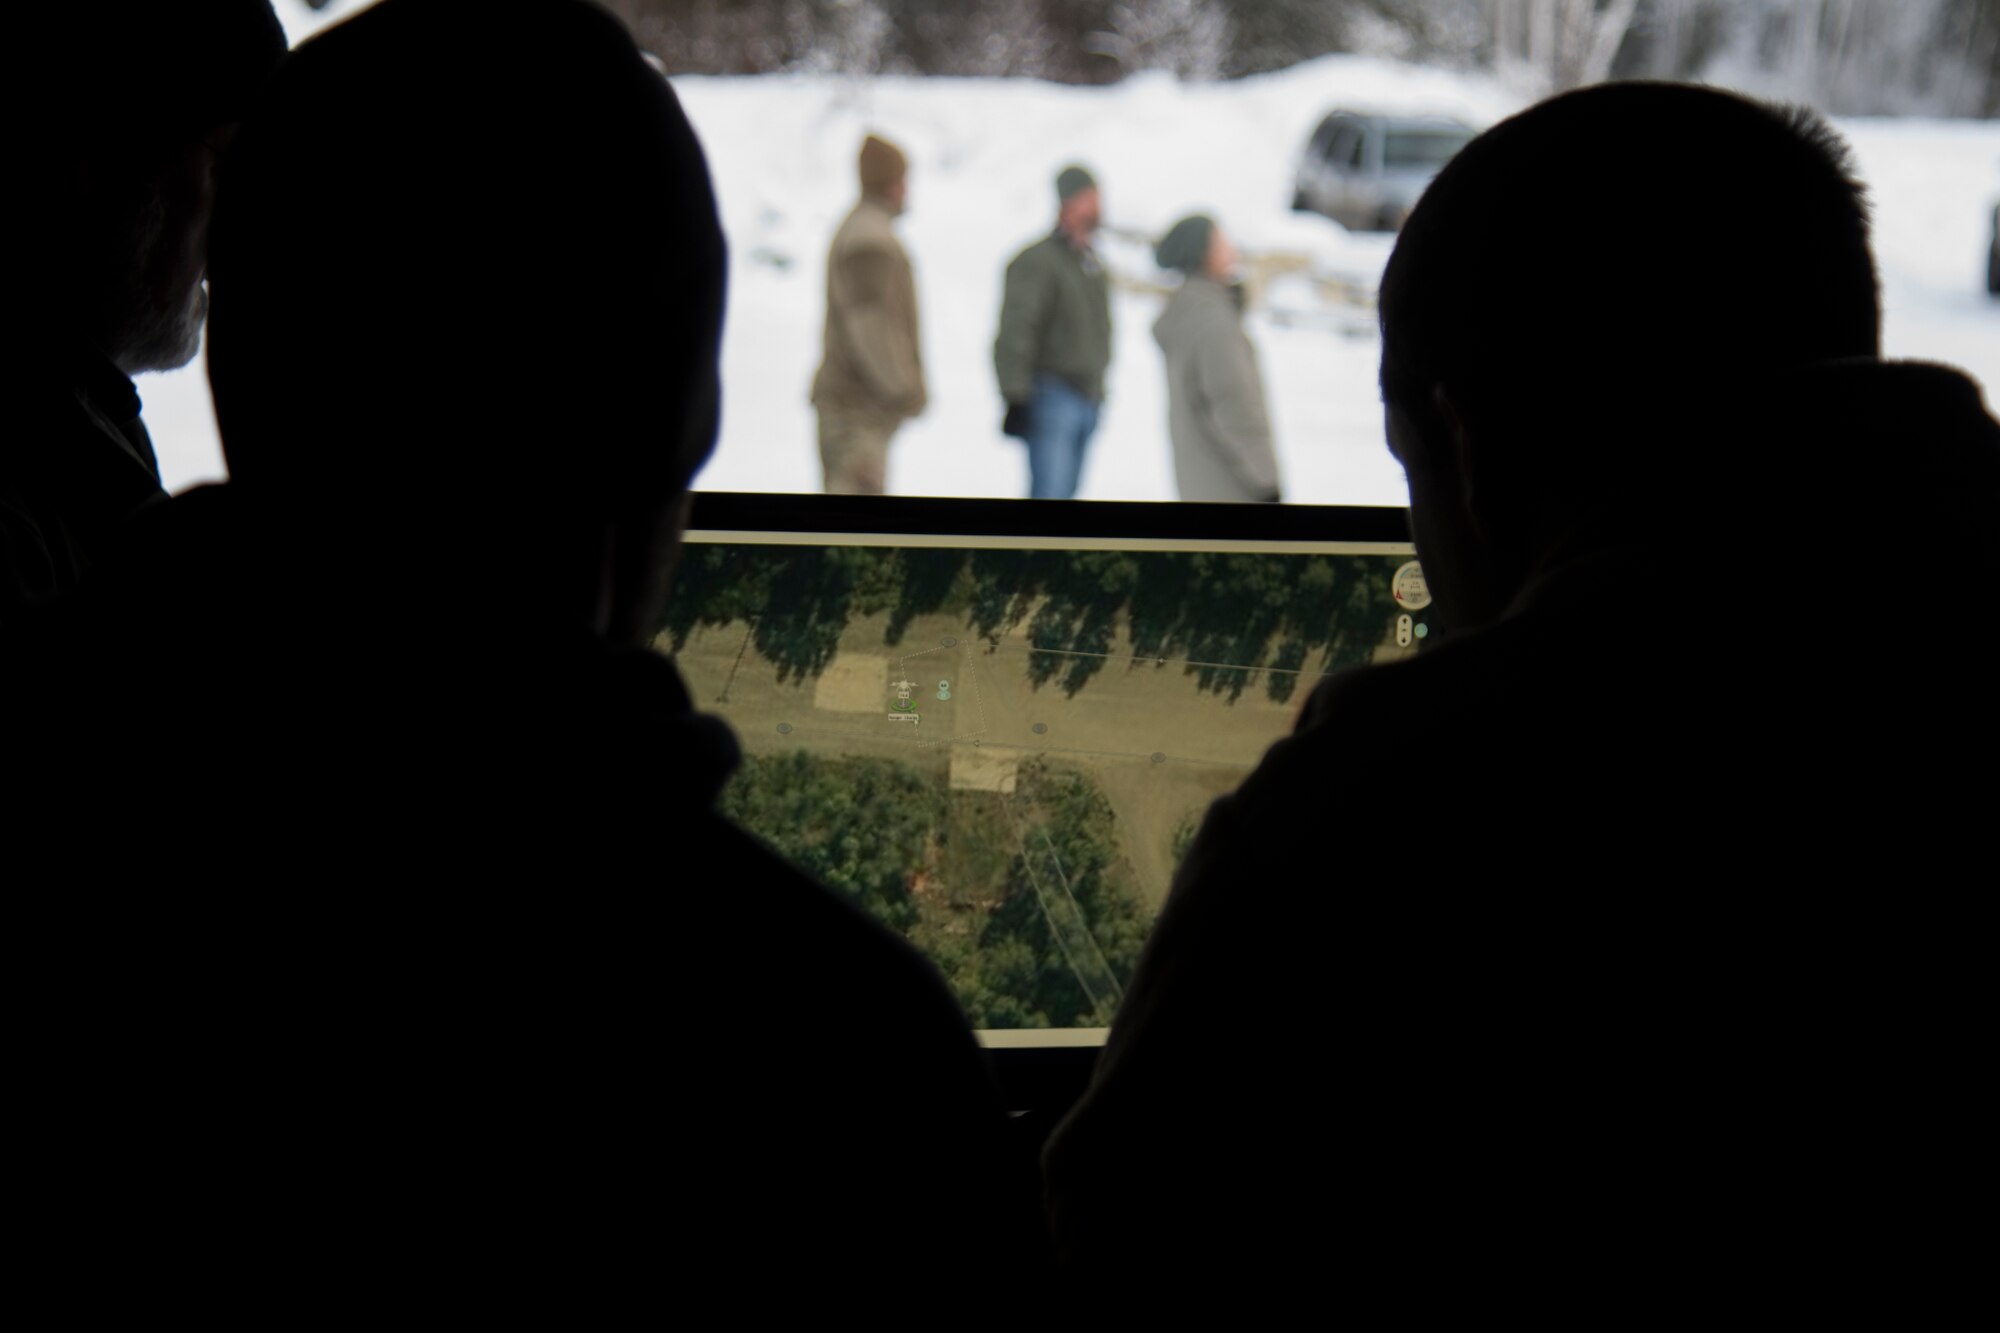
(954, 704)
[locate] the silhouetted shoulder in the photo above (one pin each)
(847, 1111)
(885, 988)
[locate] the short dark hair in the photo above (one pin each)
(1617, 245)
(476, 244)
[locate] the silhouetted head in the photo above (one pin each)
(1581, 299)
(468, 285)
(137, 97)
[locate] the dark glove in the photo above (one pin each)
(1018, 421)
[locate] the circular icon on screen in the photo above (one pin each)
(1409, 589)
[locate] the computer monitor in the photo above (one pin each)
(996, 725)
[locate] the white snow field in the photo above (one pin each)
(984, 154)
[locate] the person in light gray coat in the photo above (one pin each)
(1216, 414)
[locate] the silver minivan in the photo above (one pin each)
(1365, 172)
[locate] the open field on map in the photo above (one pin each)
(996, 718)
(1001, 753)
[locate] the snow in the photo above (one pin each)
(1935, 185)
(984, 154)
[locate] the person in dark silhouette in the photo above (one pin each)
(469, 993)
(1618, 952)
(137, 100)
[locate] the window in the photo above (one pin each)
(1345, 152)
(1426, 149)
(1322, 137)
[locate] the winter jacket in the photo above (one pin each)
(76, 465)
(445, 948)
(1631, 943)
(1055, 318)
(873, 366)
(1216, 414)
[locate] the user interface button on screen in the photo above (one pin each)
(1408, 587)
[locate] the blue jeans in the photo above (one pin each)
(1061, 422)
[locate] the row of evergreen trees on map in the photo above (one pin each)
(1227, 620)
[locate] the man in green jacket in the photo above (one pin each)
(1055, 342)
(872, 378)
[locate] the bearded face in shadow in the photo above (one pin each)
(152, 235)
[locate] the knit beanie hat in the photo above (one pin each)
(882, 165)
(1073, 181)
(1185, 247)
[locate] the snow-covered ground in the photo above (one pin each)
(984, 155)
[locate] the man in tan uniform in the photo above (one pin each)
(872, 377)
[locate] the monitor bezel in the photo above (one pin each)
(909, 515)
(1044, 1080)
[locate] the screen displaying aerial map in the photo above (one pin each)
(1001, 748)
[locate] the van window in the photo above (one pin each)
(1344, 153)
(1323, 136)
(1421, 148)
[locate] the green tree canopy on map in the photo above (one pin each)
(1069, 903)
(1021, 899)
(860, 827)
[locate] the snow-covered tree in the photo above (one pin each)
(1868, 56)
(1557, 44)
(1845, 56)
(1188, 37)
